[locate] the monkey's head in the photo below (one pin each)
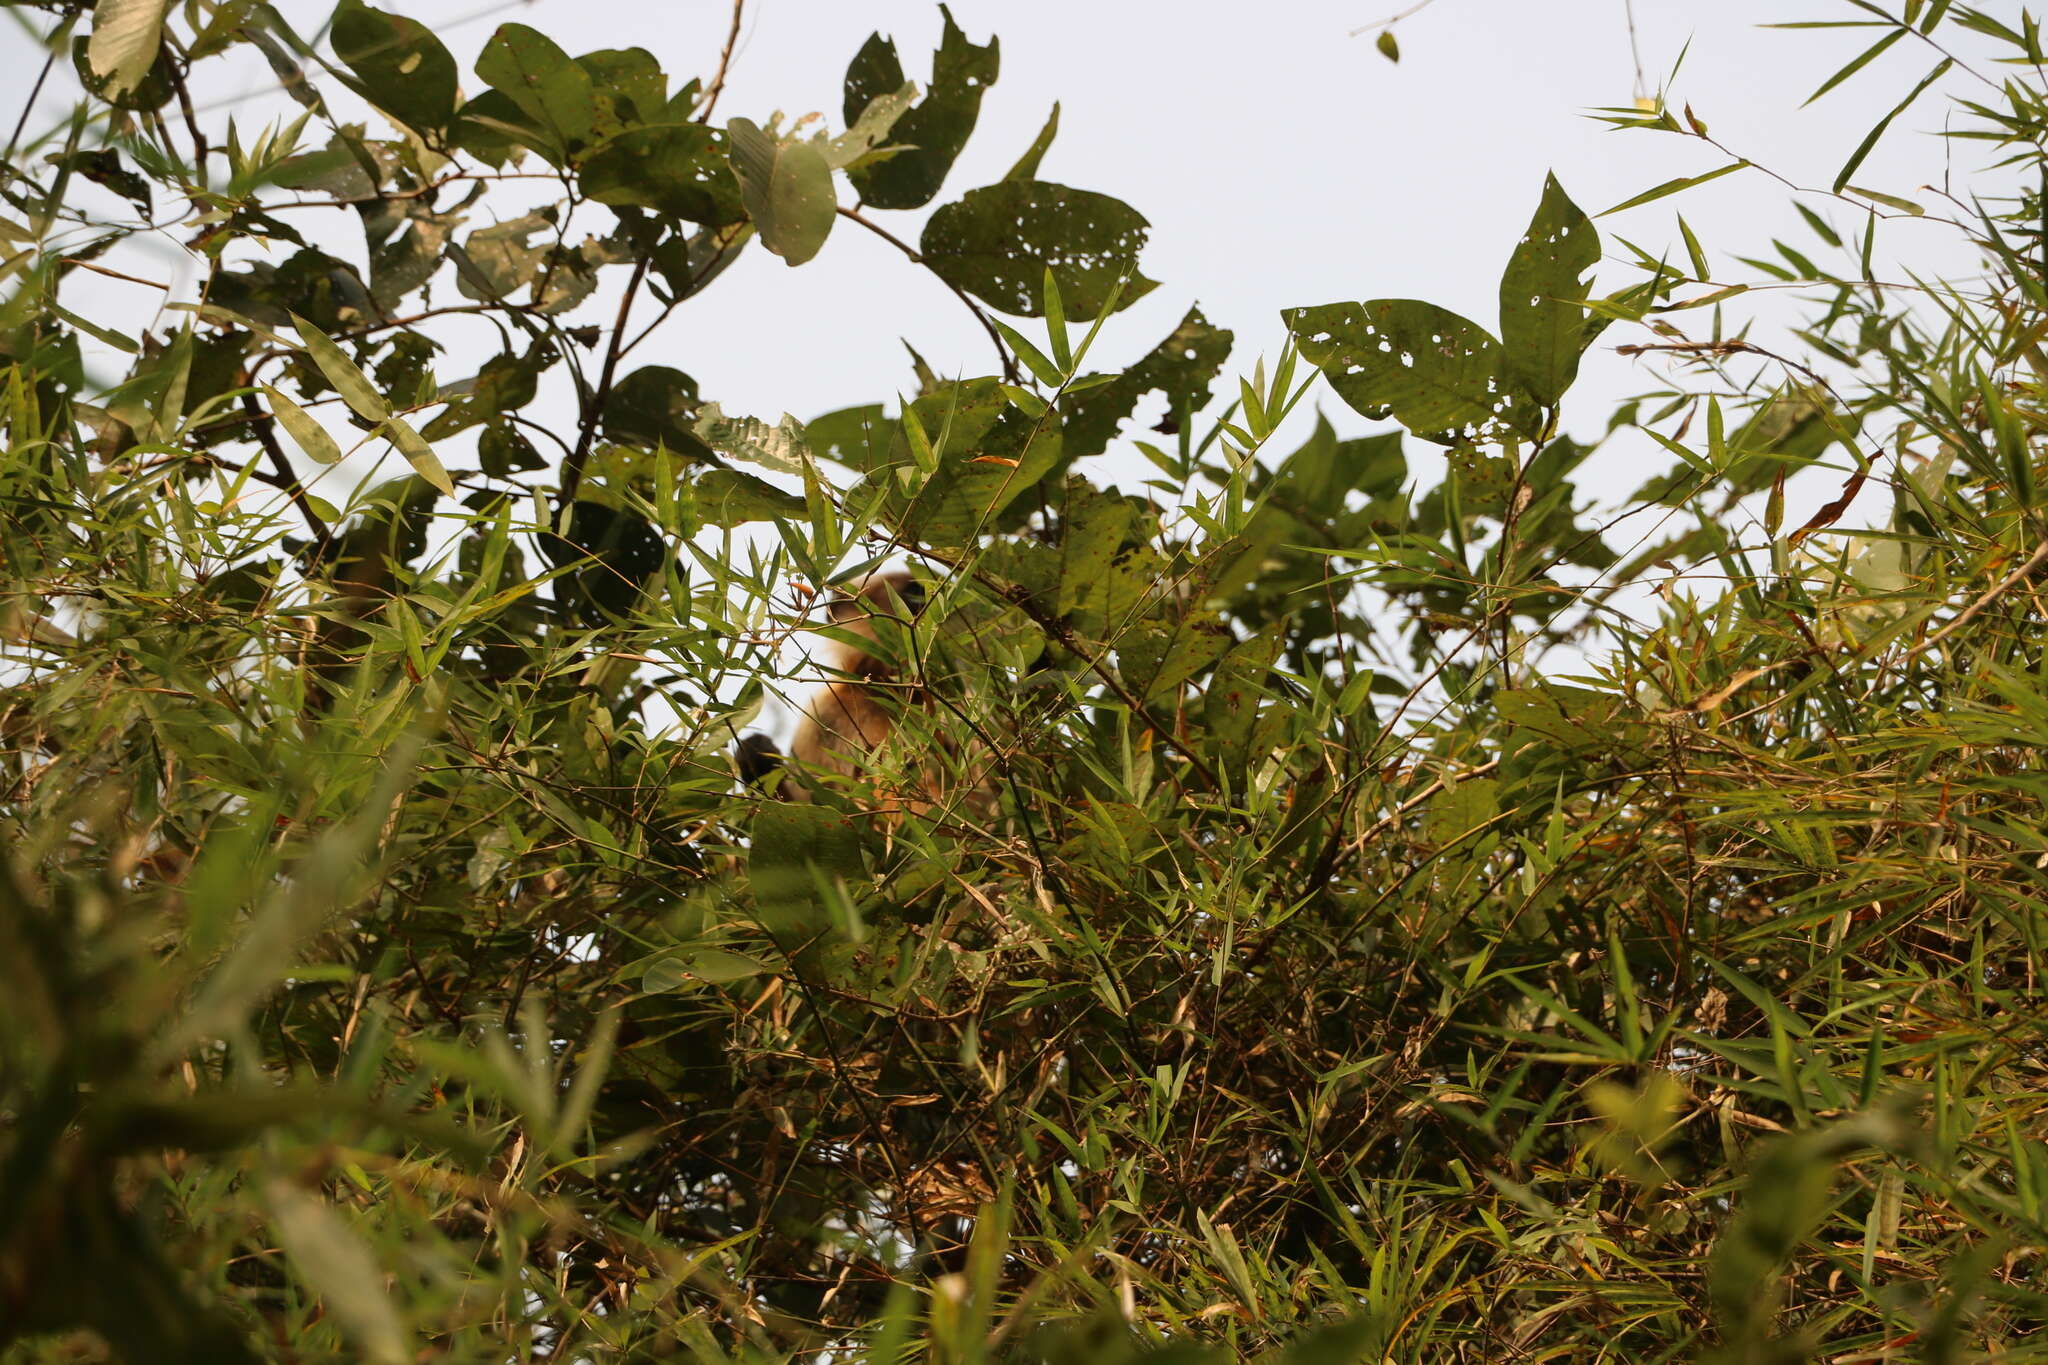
(876, 612)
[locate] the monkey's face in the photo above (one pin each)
(874, 623)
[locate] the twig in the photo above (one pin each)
(1391, 19)
(916, 257)
(200, 150)
(732, 38)
(1991, 595)
(98, 269)
(14, 139)
(572, 469)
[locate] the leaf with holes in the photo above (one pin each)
(527, 68)
(1438, 374)
(997, 242)
(1543, 331)
(399, 65)
(932, 133)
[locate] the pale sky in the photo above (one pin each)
(1280, 161)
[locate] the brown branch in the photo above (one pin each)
(262, 424)
(1991, 594)
(572, 469)
(916, 257)
(717, 88)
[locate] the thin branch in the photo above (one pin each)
(200, 151)
(261, 423)
(917, 258)
(1991, 594)
(1391, 19)
(717, 88)
(572, 469)
(14, 139)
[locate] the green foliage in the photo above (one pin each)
(1296, 915)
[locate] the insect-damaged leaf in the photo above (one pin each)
(1437, 373)
(1181, 367)
(675, 167)
(997, 242)
(787, 186)
(558, 96)
(400, 66)
(1543, 331)
(933, 132)
(1157, 655)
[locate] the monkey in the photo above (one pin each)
(853, 713)
(844, 723)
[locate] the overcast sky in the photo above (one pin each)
(1280, 160)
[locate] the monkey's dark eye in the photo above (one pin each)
(913, 594)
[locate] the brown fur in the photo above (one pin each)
(850, 716)
(845, 721)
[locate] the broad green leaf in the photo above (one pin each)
(933, 132)
(1157, 655)
(787, 186)
(1438, 374)
(1239, 730)
(1543, 331)
(402, 67)
(1344, 1343)
(730, 497)
(527, 68)
(688, 264)
(780, 447)
(1182, 367)
(674, 167)
(631, 82)
(613, 553)
(349, 381)
(305, 432)
(997, 242)
(125, 37)
(655, 405)
(975, 483)
(1317, 477)
(857, 437)
(711, 965)
(409, 260)
(501, 259)
(418, 453)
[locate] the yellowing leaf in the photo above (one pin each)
(309, 435)
(350, 382)
(125, 38)
(414, 447)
